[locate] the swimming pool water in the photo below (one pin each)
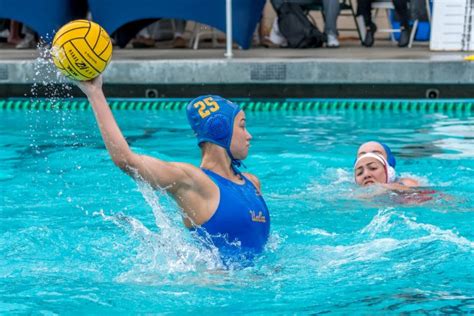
(78, 236)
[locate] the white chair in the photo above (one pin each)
(386, 5)
(201, 30)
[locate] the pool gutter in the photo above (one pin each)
(447, 77)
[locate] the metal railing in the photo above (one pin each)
(228, 28)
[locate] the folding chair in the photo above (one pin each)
(201, 30)
(417, 21)
(386, 5)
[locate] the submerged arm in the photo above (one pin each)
(403, 184)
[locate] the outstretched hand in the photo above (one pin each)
(90, 87)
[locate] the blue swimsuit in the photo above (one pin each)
(241, 223)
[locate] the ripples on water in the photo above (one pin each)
(78, 235)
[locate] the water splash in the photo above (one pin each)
(437, 234)
(170, 250)
(339, 175)
(317, 232)
(390, 221)
(47, 79)
(380, 223)
(274, 242)
(397, 239)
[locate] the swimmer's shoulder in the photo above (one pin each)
(191, 170)
(198, 196)
(255, 181)
(196, 177)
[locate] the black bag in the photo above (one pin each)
(297, 28)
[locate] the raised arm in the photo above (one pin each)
(171, 176)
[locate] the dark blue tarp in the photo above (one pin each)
(112, 14)
(43, 16)
(47, 16)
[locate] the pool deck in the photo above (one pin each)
(349, 71)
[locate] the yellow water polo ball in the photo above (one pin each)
(81, 50)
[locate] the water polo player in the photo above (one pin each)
(376, 163)
(218, 201)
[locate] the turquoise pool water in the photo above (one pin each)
(79, 236)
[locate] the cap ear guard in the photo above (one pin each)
(217, 127)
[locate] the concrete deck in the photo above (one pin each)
(350, 71)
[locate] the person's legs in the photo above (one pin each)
(275, 38)
(29, 40)
(364, 9)
(15, 28)
(179, 29)
(277, 4)
(401, 7)
(331, 12)
(143, 38)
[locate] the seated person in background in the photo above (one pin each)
(13, 32)
(10, 32)
(331, 10)
(179, 28)
(376, 164)
(364, 8)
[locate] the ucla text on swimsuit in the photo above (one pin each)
(258, 218)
